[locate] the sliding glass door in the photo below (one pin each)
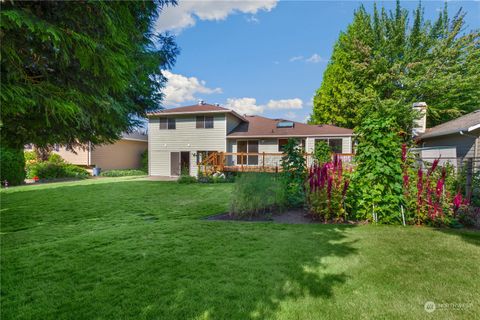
(247, 146)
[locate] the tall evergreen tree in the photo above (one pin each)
(77, 72)
(382, 57)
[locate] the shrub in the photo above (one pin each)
(186, 179)
(257, 193)
(216, 178)
(30, 156)
(54, 168)
(122, 173)
(144, 161)
(323, 152)
(326, 187)
(469, 216)
(49, 170)
(12, 166)
(427, 193)
(376, 191)
(55, 158)
(294, 173)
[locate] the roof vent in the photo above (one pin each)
(217, 104)
(201, 102)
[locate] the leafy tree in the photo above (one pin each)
(381, 56)
(78, 72)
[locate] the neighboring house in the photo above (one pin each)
(181, 138)
(457, 139)
(123, 154)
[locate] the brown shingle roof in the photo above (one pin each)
(258, 126)
(191, 109)
(454, 126)
(196, 108)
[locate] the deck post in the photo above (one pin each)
(263, 161)
(241, 157)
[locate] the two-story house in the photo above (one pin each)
(180, 138)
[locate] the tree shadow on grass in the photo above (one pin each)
(471, 236)
(108, 262)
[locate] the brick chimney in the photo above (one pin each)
(420, 125)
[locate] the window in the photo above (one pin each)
(204, 122)
(250, 146)
(167, 123)
(283, 142)
(285, 124)
(334, 144)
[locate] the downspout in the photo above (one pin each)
(89, 161)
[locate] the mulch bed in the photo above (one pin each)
(293, 216)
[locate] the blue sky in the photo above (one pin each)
(264, 57)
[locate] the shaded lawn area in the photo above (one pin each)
(137, 249)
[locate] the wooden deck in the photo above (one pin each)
(251, 162)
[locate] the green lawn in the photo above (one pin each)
(132, 248)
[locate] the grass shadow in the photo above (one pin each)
(138, 250)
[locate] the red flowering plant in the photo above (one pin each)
(326, 189)
(427, 192)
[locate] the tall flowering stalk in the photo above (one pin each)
(428, 197)
(327, 188)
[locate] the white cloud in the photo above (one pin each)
(307, 118)
(316, 58)
(295, 103)
(296, 58)
(290, 115)
(186, 13)
(180, 89)
(244, 105)
(252, 19)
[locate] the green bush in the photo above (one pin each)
(122, 173)
(257, 193)
(50, 170)
(294, 173)
(376, 193)
(323, 152)
(12, 166)
(30, 156)
(55, 158)
(144, 161)
(186, 179)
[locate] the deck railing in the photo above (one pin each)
(252, 161)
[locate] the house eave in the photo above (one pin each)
(161, 114)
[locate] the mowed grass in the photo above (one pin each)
(126, 248)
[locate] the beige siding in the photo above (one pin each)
(80, 157)
(186, 137)
(123, 154)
